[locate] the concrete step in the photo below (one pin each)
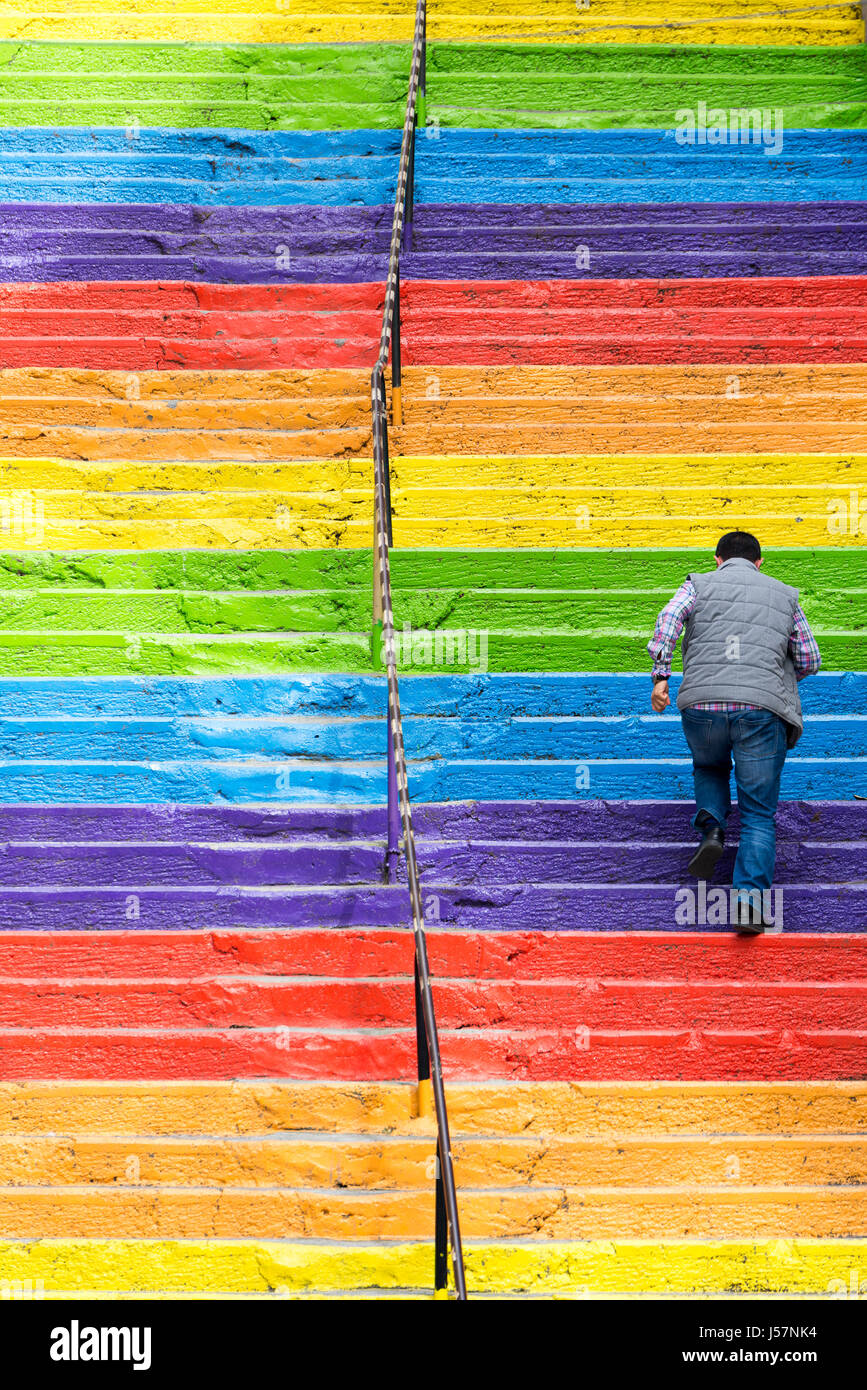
(572, 740)
(601, 1112)
(182, 171)
(543, 1269)
(577, 957)
(497, 696)
(834, 906)
(224, 85)
(309, 781)
(203, 243)
(468, 319)
(555, 86)
(346, 21)
(147, 327)
(545, 1213)
(387, 1163)
(357, 1005)
(579, 241)
(483, 1054)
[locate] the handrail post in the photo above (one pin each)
(395, 351)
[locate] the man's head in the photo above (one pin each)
(738, 545)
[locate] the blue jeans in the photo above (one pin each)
(756, 739)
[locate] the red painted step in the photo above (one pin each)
(223, 1054)
(142, 326)
(352, 1004)
(610, 322)
(355, 953)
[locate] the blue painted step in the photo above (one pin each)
(485, 696)
(636, 167)
(220, 167)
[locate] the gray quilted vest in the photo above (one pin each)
(736, 643)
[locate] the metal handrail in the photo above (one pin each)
(430, 1076)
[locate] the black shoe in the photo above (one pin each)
(706, 857)
(751, 922)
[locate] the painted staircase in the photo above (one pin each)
(206, 1029)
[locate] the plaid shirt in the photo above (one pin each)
(803, 647)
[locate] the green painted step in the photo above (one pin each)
(251, 87)
(349, 610)
(199, 613)
(113, 654)
(585, 610)
(71, 610)
(188, 569)
(615, 86)
(815, 571)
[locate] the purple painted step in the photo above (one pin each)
(485, 820)
(190, 220)
(318, 862)
(636, 240)
(634, 263)
(449, 241)
(508, 907)
(175, 242)
(445, 217)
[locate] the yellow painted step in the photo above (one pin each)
(326, 476)
(353, 477)
(666, 528)
(551, 1213)
(351, 21)
(774, 1266)
(403, 1162)
(502, 502)
(591, 1109)
(744, 22)
(66, 510)
(210, 21)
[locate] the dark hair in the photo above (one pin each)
(739, 545)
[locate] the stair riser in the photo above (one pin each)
(578, 958)
(214, 1054)
(646, 908)
(611, 1113)
(183, 865)
(483, 696)
(351, 1005)
(740, 1163)
(345, 739)
(543, 1269)
(565, 1214)
(505, 821)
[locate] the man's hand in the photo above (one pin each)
(660, 699)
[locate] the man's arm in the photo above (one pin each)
(669, 626)
(803, 647)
